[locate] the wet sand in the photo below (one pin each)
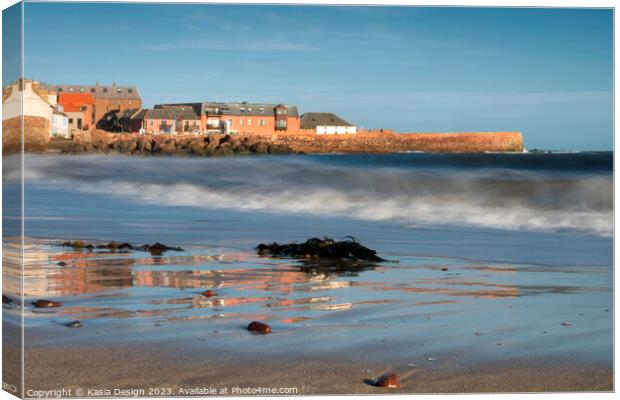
(444, 325)
(171, 367)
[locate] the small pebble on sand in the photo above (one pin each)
(388, 381)
(259, 327)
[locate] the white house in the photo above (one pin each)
(326, 124)
(36, 102)
(60, 123)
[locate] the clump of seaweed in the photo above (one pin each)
(347, 249)
(155, 249)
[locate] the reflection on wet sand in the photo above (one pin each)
(133, 284)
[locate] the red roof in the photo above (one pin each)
(71, 102)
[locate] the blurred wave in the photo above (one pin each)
(409, 189)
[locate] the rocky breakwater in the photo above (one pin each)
(168, 145)
(385, 142)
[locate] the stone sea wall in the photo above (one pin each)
(36, 134)
(467, 142)
(223, 145)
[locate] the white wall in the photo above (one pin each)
(335, 130)
(34, 105)
(60, 125)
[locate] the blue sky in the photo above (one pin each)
(545, 72)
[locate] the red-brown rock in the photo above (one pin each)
(259, 327)
(388, 381)
(46, 303)
(209, 293)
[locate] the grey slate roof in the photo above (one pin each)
(311, 120)
(253, 109)
(98, 91)
(140, 114)
(237, 108)
(172, 112)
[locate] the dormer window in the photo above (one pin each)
(119, 90)
(242, 109)
(71, 89)
(262, 110)
(105, 90)
(130, 90)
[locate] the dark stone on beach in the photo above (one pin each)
(259, 327)
(157, 249)
(391, 381)
(567, 323)
(325, 248)
(46, 303)
(116, 246)
(61, 263)
(74, 324)
(78, 244)
(6, 299)
(209, 293)
(444, 269)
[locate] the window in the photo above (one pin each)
(261, 122)
(82, 89)
(71, 89)
(249, 122)
(119, 90)
(70, 120)
(241, 122)
(229, 123)
(242, 109)
(130, 90)
(261, 109)
(83, 108)
(151, 122)
(92, 90)
(59, 89)
(105, 90)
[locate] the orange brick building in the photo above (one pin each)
(245, 118)
(106, 98)
(79, 107)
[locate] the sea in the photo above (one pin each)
(490, 256)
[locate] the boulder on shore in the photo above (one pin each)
(325, 248)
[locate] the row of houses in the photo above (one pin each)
(66, 109)
(71, 109)
(231, 118)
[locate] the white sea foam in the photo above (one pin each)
(521, 201)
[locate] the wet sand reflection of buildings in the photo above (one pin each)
(65, 273)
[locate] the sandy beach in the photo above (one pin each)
(170, 367)
(491, 304)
